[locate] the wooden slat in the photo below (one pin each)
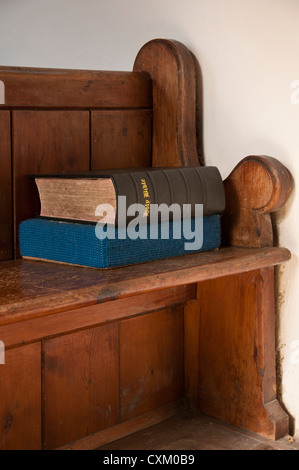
(120, 139)
(81, 384)
(52, 88)
(6, 238)
(20, 403)
(45, 141)
(36, 329)
(151, 361)
(29, 289)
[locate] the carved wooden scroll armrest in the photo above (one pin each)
(257, 186)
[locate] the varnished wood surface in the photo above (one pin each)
(237, 379)
(95, 379)
(172, 69)
(125, 428)
(87, 362)
(55, 127)
(5, 188)
(30, 288)
(192, 430)
(20, 404)
(153, 377)
(67, 314)
(46, 326)
(257, 186)
(62, 88)
(45, 142)
(121, 138)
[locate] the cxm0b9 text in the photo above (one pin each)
(175, 459)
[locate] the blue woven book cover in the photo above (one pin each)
(78, 244)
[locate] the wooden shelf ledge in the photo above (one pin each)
(34, 288)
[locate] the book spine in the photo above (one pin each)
(174, 186)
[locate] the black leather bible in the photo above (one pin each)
(76, 196)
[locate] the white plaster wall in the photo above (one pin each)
(248, 51)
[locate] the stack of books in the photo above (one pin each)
(124, 217)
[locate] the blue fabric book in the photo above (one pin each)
(82, 244)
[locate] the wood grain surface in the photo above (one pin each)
(152, 377)
(237, 375)
(172, 69)
(257, 187)
(82, 390)
(33, 288)
(121, 138)
(46, 326)
(88, 348)
(45, 142)
(6, 215)
(20, 404)
(66, 88)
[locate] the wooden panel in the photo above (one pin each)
(120, 139)
(20, 403)
(46, 141)
(6, 238)
(65, 322)
(31, 288)
(151, 361)
(52, 88)
(237, 352)
(129, 427)
(81, 384)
